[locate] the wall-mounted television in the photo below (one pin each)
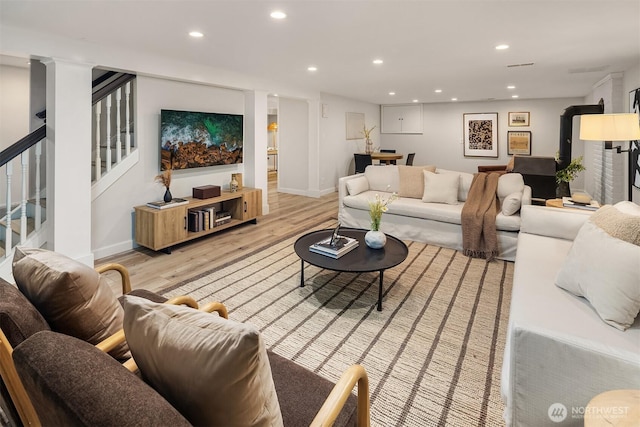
(191, 139)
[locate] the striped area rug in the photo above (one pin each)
(433, 354)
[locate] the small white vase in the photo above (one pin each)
(375, 239)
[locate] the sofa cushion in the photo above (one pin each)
(227, 380)
(441, 188)
(511, 203)
(383, 178)
(602, 265)
(72, 297)
(412, 180)
(72, 383)
(357, 185)
(465, 183)
(416, 208)
(509, 183)
(19, 319)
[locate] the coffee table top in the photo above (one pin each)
(360, 260)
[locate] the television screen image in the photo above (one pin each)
(192, 140)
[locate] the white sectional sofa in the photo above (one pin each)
(410, 218)
(559, 351)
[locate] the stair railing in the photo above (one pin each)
(109, 110)
(18, 211)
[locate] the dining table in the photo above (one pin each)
(386, 158)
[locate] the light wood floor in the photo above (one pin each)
(287, 214)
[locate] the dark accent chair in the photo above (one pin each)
(410, 158)
(362, 161)
(499, 169)
(393, 162)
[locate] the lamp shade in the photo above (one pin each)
(609, 127)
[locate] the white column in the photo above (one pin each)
(69, 158)
(314, 148)
(255, 143)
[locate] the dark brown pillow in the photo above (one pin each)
(72, 297)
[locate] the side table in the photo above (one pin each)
(613, 408)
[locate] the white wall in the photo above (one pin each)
(113, 228)
(293, 146)
(441, 142)
(336, 151)
(14, 104)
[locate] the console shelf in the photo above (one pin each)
(159, 229)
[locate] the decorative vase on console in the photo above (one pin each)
(165, 179)
(374, 238)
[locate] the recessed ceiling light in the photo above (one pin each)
(511, 87)
(378, 61)
(454, 99)
(514, 96)
(196, 34)
(278, 14)
(502, 47)
(312, 68)
(415, 100)
(392, 93)
(438, 91)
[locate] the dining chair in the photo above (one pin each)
(362, 161)
(410, 158)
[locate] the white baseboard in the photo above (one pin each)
(116, 248)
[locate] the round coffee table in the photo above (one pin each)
(359, 260)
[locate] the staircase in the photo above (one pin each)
(23, 188)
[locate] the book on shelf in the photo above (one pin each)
(568, 203)
(165, 205)
(340, 246)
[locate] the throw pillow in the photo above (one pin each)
(412, 180)
(509, 183)
(441, 188)
(602, 264)
(72, 297)
(511, 203)
(357, 185)
(214, 371)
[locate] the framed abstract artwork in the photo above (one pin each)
(480, 134)
(519, 142)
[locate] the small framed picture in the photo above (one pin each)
(480, 134)
(519, 142)
(519, 119)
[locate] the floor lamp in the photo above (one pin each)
(609, 128)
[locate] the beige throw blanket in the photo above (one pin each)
(479, 239)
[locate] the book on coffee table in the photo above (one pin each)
(340, 246)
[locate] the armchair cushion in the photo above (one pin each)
(71, 382)
(301, 394)
(71, 296)
(19, 319)
(214, 371)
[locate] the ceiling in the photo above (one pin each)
(425, 45)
